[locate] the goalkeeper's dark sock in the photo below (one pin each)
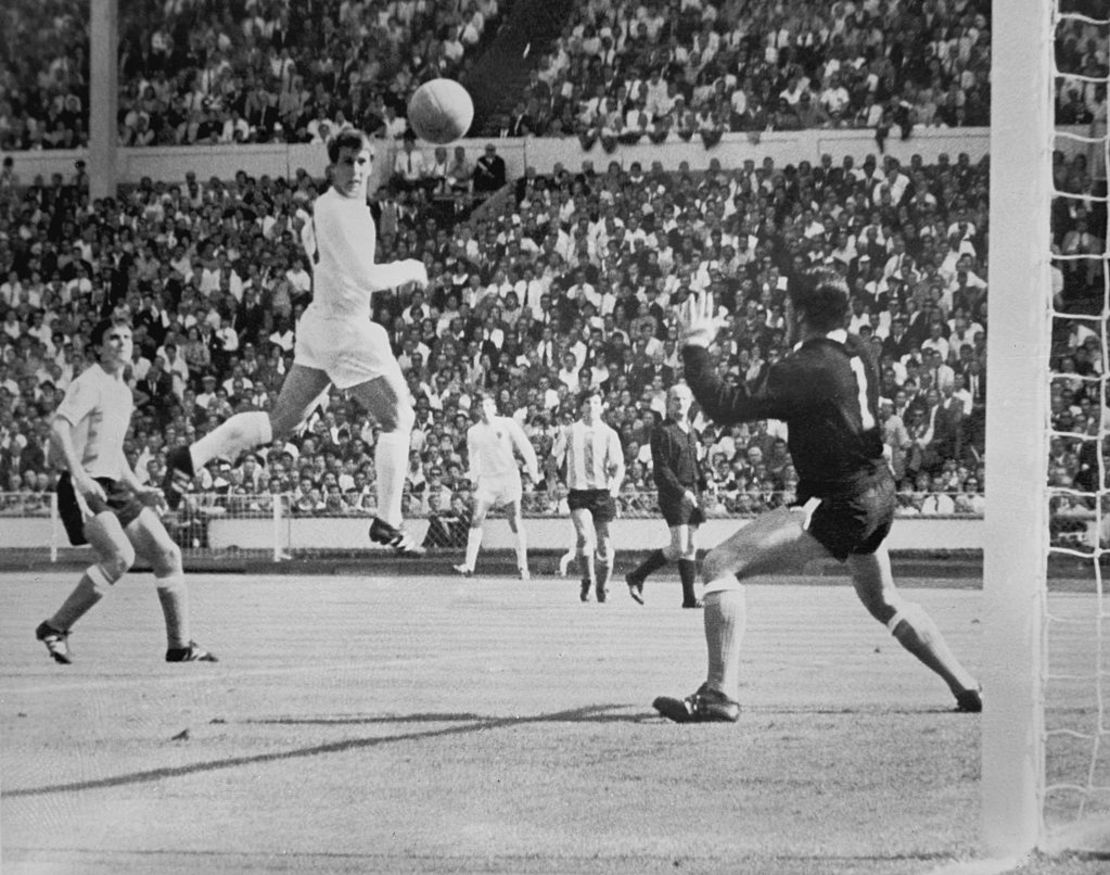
(654, 561)
(688, 574)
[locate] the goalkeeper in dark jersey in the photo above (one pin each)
(826, 390)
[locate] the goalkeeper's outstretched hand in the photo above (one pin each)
(698, 322)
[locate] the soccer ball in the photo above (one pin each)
(440, 111)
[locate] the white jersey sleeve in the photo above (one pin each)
(346, 243)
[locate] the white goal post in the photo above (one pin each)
(1018, 339)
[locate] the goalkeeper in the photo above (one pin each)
(826, 391)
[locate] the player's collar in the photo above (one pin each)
(839, 335)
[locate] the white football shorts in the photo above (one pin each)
(350, 350)
(498, 491)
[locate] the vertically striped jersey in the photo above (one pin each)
(593, 455)
(98, 406)
(490, 449)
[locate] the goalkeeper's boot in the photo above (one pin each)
(635, 588)
(703, 706)
(402, 542)
(179, 476)
(970, 701)
(57, 643)
(192, 653)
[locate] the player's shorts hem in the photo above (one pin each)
(851, 524)
(74, 512)
(599, 502)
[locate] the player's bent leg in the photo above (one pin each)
(115, 556)
(911, 625)
(777, 539)
(300, 392)
(153, 543)
(386, 399)
(655, 560)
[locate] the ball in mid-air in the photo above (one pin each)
(440, 111)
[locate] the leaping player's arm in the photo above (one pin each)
(349, 237)
(615, 463)
(525, 448)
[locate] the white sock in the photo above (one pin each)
(90, 589)
(473, 543)
(725, 620)
(174, 597)
(242, 432)
(521, 548)
(391, 460)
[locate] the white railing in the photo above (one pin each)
(280, 526)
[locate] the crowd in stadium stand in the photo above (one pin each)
(209, 71)
(572, 283)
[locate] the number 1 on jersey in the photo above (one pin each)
(860, 371)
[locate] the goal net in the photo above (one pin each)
(1046, 727)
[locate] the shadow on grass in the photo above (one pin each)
(467, 723)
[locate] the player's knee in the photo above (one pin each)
(583, 543)
(166, 560)
(690, 552)
(116, 565)
(401, 418)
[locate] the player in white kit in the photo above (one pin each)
(103, 504)
(594, 471)
(492, 445)
(336, 343)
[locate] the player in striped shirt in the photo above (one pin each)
(594, 460)
(103, 504)
(492, 444)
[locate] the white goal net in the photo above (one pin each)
(1076, 807)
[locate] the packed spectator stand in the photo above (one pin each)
(569, 280)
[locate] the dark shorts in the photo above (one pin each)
(854, 522)
(121, 501)
(601, 505)
(677, 513)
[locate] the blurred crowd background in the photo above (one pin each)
(563, 278)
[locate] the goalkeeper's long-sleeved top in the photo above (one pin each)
(826, 391)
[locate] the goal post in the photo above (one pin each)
(1018, 340)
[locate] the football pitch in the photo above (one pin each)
(428, 724)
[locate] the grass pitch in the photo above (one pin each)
(418, 724)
